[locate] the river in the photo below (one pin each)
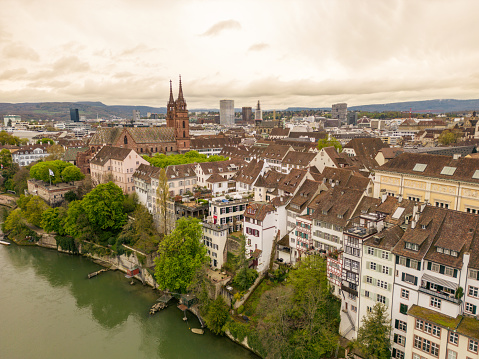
(49, 309)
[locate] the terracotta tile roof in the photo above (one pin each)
(270, 179)
(275, 152)
(315, 135)
(107, 153)
(181, 171)
(345, 177)
(215, 178)
(30, 148)
(405, 163)
(390, 152)
(259, 209)
(281, 201)
(146, 172)
(386, 239)
(214, 142)
(222, 166)
(391, 205)
(282, 132)
(304, 196)
(292, 180)
(234, 152)
(109, 135)
(250, 172)
(299, 158)
(336, 205)
(366, 149)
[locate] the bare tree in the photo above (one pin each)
(162, 194)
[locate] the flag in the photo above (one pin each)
(50, 172)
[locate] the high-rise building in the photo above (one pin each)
(258, 114)
(227, 112)
(74, 115)
(340, 112)
(246, 114)
(136, 115)
(352, 118)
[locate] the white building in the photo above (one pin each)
(29, 154)
(227, 112)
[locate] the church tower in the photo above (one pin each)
(177, 118)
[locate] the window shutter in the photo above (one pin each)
(390, 271)
(364, 279)
(368, 265)
(389, 286)
(403, 275)
(387, 302)
(418, 265)
(375, 281)
(408, 262)
(441, 269)
(429, 265)
(415, 280)
(455, 273)
(396, 324)
(379, 268)
(362, 292)
(397, 259)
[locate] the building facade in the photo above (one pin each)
(227, 112)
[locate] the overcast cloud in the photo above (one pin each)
(283, 53)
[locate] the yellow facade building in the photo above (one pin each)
(442, 181)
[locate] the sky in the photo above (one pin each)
(285, 53)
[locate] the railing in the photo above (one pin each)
(361, 231)
(447, 297)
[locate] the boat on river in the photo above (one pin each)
(4, 242)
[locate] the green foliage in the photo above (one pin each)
(67, 244)
(328, 142)
(448, 137)
(5, 158)
(373, 336)
(245, 278)
(52, 220)
(19, 180)
(71, 196)
(240, 309)
(103, 207)
(34, 210)
(217, 315)
(7, 139)
(130, 202)
(162, 160)
(72, 173)
(180, 255)
(14, 221)
(41, 171)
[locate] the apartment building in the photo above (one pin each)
(443, 181)
(214, 238)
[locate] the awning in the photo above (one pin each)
(438, 281)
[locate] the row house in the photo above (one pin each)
(247, 175)
(365, 150)
(226, 169)
(329, 157)
(228, 211)
(260, 228)
(214, 239)
(443, 181)
(299, 160)
(116, 164)
(274, 156)
(346, 177)
(211, 146)
(433, 260)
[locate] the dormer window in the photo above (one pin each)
(423, 226)
(412, 246)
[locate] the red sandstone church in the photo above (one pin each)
(175, 137)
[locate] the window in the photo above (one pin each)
(400, 339)
(366, 293)
(435, 267)
(404, 293)
(473, 346)
(474, 273)
(412, 246)
(451, 354)
(372, 266)
(453, 338)
(369, 279)
(381, 299)
(401, 325)
(402, 261)
(385, 255)
(399, 354)
(435, 302)
(449, 271)
(403, 308)
(386, 270)
(473, 291)
(419, 324)
(382, 284)
(471, 308)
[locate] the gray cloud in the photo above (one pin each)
(221, 26)
(13, 74)
(258, 47)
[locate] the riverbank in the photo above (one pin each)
(63, 314)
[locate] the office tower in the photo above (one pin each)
(227, 112)
(246, 114)
(74, 115)
(340, 112)
(136, 115)
(352, 118)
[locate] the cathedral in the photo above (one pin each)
(174, 138)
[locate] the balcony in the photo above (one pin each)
(441, 295)
(360, 231)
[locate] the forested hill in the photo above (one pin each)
(61, 110)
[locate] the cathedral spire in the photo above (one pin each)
(180, 92)
(180, 101)
(172, 100)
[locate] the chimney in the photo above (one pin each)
(384, 197)
(422, 207)
(413, 224)
(400, 198)
(456, 156)
(415, 209)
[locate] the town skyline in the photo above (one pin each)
(301, 54)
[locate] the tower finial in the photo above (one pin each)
(172, 100)
(180, 92)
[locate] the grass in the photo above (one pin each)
(253, 300)
(434, 317)
(469, 327)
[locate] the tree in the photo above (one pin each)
(180, 255)
(45, 140)
(373, 335)
(52, 219)
(162, 195)
(34, 209)
(41, 171)
(245, 276)
(217, 315)
(103, 207)
(55, 152)
(71, 174)
(328, 142)
(448, 137)
(5, 159)
(19, 180)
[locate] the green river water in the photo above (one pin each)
(49, 309)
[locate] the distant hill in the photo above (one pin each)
(61, 110)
